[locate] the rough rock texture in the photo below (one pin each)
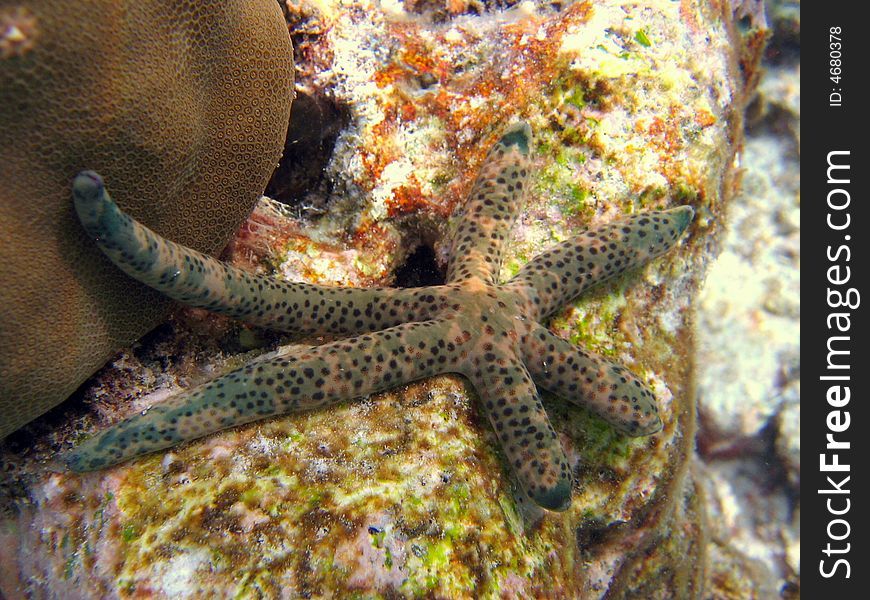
(749, 347)
(749, 309)
(183, 106)
(404, 494)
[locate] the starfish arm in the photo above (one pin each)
(201, 281)
(558, 276)
(491, 208)
(511, 401)
(299, 380)
(585, 379)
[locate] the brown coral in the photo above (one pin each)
(183, 105)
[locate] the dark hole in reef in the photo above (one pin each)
(419, 269)
(315, 122)
(745, 23)
(784, 45)
(426, 80)
(590, 534)
(151, 346)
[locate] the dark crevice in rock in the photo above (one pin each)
(784, 46)
(419, 269)
(590, 534)
(315, 123)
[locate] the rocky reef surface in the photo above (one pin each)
(404, 494)
(749, 346)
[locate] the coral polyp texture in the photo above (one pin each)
(409, 492)
(491, 333)
(184, 105)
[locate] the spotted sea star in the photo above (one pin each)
(489, 332)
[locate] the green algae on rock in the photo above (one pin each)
(184, 105)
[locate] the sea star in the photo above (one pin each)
(489, 332)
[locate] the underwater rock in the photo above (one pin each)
(749, 348)
(405, 494)
(749, 530)
(749, 381)
(184, 106)
(749, 309)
